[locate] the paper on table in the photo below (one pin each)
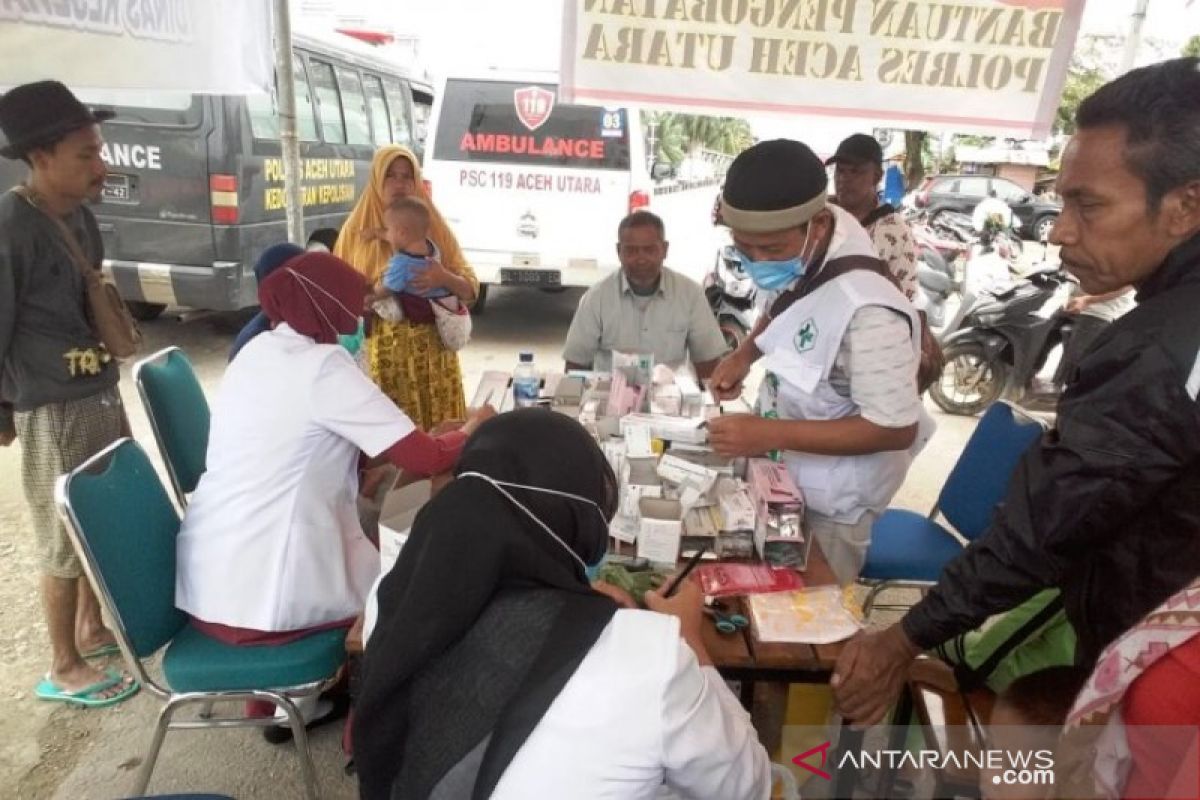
(625, 528)
(390, 543)
(637, 442)
(820, 615)
(400, 508)
(631, 497)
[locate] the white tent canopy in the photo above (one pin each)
(196, 46)
(110, 49)
(989, 66)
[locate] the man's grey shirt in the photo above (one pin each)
(675, 323)
(48, 353)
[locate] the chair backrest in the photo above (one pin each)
(980, 478)
(124, 527)
(179, 416)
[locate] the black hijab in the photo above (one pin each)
(485, 616)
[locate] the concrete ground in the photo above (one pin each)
(50, 751)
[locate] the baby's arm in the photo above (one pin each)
(379, 291)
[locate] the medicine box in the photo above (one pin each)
(737, 510)
(661, 533)
(779, 534)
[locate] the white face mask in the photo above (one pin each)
(499, 486)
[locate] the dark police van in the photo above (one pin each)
(195, 185)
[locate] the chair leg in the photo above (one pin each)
(300, 735)
(869, 602)
(901, 719)
(160, 732)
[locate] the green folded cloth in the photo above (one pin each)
(636, 581)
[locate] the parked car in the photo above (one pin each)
(963, 192)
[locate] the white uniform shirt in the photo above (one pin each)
(640, 712)
(271, 539)
(801, 349)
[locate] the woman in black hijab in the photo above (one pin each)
(487, 618)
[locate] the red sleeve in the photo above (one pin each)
(422, 454)
(1161, 712)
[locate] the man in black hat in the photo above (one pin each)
(840, 344)
(856, 177)
(57, 383)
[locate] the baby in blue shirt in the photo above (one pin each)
(406, 229)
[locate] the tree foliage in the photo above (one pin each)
(678, 135)
(969, 140)
(1192, 48)
(1079, 86)
(1092, 65)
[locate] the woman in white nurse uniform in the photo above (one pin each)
(271, 548)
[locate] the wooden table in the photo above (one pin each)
(741, 657)
(777, 661)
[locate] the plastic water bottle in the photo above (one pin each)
(527, 384)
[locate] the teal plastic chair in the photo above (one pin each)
(179, 416)
(124, 527)
(909, 549)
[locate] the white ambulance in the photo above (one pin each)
(534, 188)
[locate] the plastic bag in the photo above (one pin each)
(725, 580)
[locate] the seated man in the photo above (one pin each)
(644, 308)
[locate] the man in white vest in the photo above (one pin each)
(840, 344)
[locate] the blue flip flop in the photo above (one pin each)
(88, 695)
(103, 651)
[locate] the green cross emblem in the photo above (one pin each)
(806, 337)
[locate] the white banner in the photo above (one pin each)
(201, 46)
(988, 66)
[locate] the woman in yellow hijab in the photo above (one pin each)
(407, 359)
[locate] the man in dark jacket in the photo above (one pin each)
(1106, 507)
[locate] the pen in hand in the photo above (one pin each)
(678, 580)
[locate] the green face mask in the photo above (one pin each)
(353, 342)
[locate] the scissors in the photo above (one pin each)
(727, 622)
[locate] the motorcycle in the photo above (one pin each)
(930, 242)
(1006, 340)
(731, 293)
(948, 289)
(939, 285)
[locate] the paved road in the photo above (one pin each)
(48, 752)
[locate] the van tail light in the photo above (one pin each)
(428, 188)
(638, 200)
(224, 193)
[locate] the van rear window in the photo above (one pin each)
(523, 123)
(177, 109)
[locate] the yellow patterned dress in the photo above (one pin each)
(413, 368)
(407, 361)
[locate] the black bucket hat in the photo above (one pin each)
(35, 113)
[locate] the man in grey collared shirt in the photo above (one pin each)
(644, 308)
